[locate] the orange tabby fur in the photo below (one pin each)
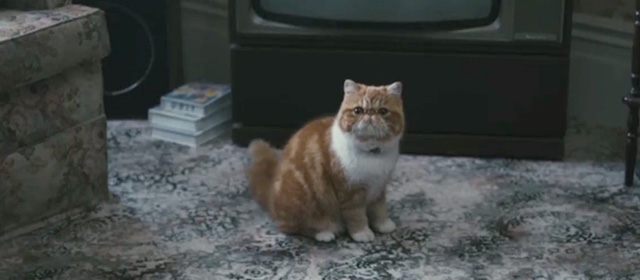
(312, 188)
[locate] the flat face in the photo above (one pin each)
(372, 112)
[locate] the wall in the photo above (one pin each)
(205, 40)
(614, 9)
(600, 61)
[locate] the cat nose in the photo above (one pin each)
(371, 111)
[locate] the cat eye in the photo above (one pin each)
(383, 111)
(358, 110)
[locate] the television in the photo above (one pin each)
(540, 24)
(482, 77)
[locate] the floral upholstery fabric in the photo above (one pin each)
(52, 133)
(66, 171)
(31, 113)
(35, 45)
(33, 4)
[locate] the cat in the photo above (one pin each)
(332, 173)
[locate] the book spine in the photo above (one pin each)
(180, 107)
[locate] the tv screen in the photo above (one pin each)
(342, 13)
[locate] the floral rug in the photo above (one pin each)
(180, 213)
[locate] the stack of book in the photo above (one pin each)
(192, 114)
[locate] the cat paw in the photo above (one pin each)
(364, 235)
(385, 226)
(325, 236)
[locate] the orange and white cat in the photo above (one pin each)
(333, 172)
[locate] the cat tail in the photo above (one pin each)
(264, 161)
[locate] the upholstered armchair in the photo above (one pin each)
(52, 125)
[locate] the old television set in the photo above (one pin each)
(482, 77)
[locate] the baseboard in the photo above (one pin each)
(434, 144)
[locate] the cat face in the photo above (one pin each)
(372, 112)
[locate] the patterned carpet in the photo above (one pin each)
(185, 214)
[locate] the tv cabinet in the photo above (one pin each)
(456, 103)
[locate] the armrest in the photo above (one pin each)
(32, 4)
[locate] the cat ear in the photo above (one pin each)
(350, 86)
(395, 89)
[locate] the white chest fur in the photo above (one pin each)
(362, 167)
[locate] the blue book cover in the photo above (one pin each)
(198, 94)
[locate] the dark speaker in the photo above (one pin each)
(146, 54)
